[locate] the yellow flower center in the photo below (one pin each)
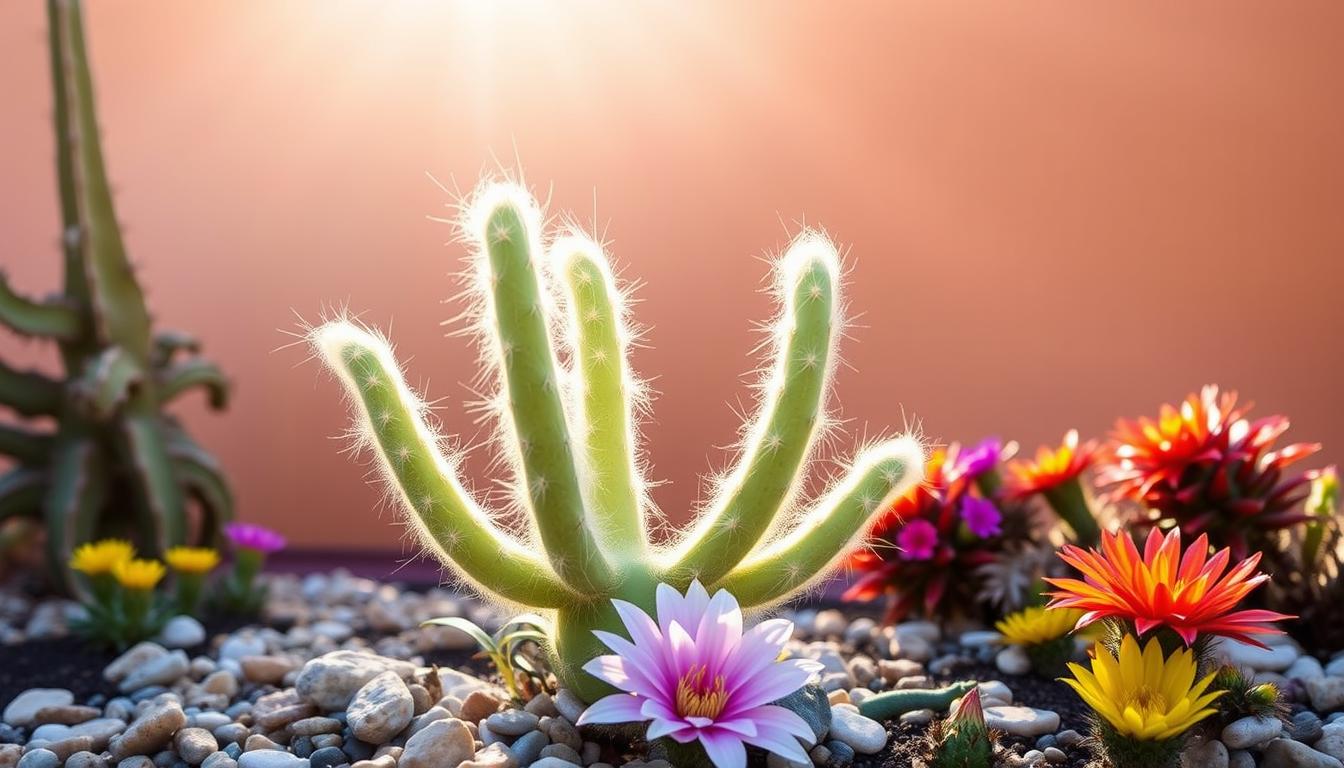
(697, 699)
(1148, 701)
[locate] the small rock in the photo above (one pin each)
(328, 757)
(276, 710)
(442, 742)
(981, 639)
(553, 762)
(493, 756)
(1286, 753)
(270, 758)
(380, 709)
(182, 632)
(312, 726)
(865, 735)
(918, 717)
(528, 747)
(150, 731)
(479, 705)
(1326, 693)
(331, 680)
(1276, 658)
(1013, 660)
(809, 703)
(66, 715)
(219, 760)
(1204, 754)
(1240, 758)
(512, 722)
(195, 744)
(1305, 668)
(22, 711)
(1022, 721)
(893, 670)
(39, 758)
(830, 623)
(570, 706)
(269, 670)
(236, 647)
(1331, 741)
(1056, 756)
(1246, 732)
(1305, 727)
(161, 670)
(85, 760)
(138, 656)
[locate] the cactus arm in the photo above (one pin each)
(117, 304)
(28, 392)
(168, 343)
(531, 380)
(835, 524)
(437, 505)
(25, 445)
(159, 497)
(766, 477)
(605, 396)
(48, 319)
(21, 492)
(892, 704)
(188, 374)
(203, 480)
(77, 491)
(107, 383)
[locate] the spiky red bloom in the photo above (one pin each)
(1207, 468)
(918, 579)
(1051, 467)
(1191, 594)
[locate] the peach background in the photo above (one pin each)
(1058, 213)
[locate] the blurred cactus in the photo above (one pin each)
(115, 464)
(569, 433)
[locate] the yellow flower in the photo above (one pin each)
(100, 557)
(1036, 625)
(192, 559)
(139, 574)
(1141, 694)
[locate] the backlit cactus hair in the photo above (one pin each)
(570, 433)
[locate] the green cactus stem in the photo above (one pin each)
(571, 434)
(889, 705)
(115, 464)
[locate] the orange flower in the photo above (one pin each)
(1052, 468)
(1190, 594)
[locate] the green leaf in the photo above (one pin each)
(481, 637)
(47, 319)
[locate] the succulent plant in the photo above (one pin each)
(1207, 468)
(963, 740)
(116, 463)
(570, 435)
(931, 544)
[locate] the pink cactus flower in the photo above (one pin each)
(981, 517)
(253, 536)
(918, 540)
(695, 675)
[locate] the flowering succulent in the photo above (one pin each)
(190, 566)
(926, 544)
(1056, 474)
(117, 592)
(1207, 468)
(1044, 635)
(1146, 701)
(963, 740)
(697, 677)
(239, 592)
(1190, 594)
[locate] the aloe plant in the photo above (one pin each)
(115, 463)
(570, 434)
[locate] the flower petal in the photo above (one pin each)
(616, 708)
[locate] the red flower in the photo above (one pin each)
(1051, 468)
(1207, 468)
(1191, 594)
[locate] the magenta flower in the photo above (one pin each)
(252, 536)
(978, 459)
(695, 675)
(917, 540)
(981, 516)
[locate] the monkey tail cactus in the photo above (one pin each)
(569, 431)
(115, 464)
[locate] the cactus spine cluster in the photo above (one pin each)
(554, 335)
(116, 463)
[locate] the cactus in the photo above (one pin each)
(570, 434)
(890, 705)
(116, 463)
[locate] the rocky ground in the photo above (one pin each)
(340, 673)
